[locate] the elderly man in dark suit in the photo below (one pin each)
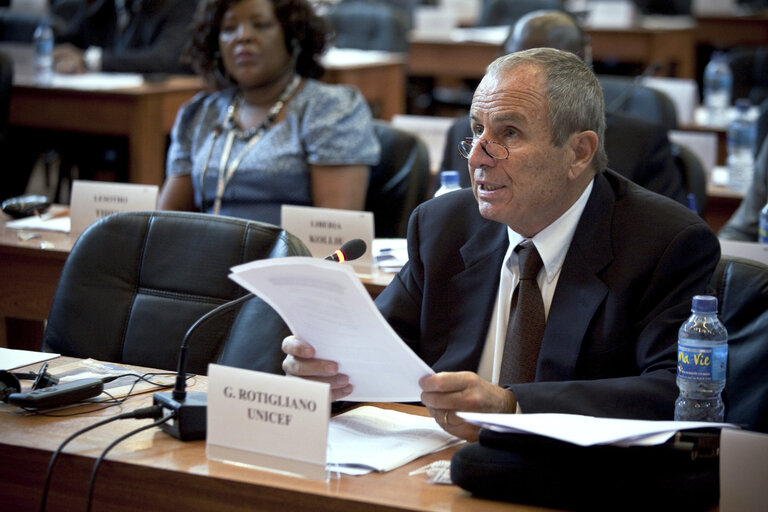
(620, 264)
(637, 149)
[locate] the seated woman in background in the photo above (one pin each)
(270, 134)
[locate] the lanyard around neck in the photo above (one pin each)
(227, 169)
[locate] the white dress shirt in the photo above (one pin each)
(552, 243)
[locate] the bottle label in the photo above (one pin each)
(701, 363)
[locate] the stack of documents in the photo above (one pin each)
(588, 430)
(325, 304)
(390, 254)
(373, 439)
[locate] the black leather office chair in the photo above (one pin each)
(750, 73)
(6, 89)
(399, 182)
(742, 293)
(664, 7)
(629, 96)
(694, 175)
(136, 281)
(407, 7)
(507, 12)
(369, 25)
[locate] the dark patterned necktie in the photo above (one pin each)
(526, 320)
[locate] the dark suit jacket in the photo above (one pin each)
(626, 285)
(636, 149)
(151, 43)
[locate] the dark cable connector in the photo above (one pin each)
(153, 411)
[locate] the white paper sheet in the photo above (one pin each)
(41, 222)
(370, 438)
(325, 304)
(10, 358)
(97, 81)
(390, 254)
(588, 430)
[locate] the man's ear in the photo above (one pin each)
(583, 147)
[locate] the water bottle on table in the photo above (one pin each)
(449, 181)
(741, 135)
(718, 86)
(43, 46)
(702, 355)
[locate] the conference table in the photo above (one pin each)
(727, 31)
(464, 53)
(380, 77)
(31, 271)
(154, 471)
(144, 113)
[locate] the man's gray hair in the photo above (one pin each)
(575, 98)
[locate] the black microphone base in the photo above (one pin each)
(189, 423)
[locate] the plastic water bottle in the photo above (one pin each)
(449, 181)
(702, 355)
(718, 86)
(762, 233)
(43, 45)
(741, 136)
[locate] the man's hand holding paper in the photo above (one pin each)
(340, 336)
(300, 361)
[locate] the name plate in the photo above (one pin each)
(323, 230)
(268, 421)
(611, 14)
(92, 200)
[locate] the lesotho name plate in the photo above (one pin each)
(92, 200)
(272, 422)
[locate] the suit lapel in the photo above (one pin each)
(477, 284)
(579, 291)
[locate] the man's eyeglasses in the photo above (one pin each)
(492, 149)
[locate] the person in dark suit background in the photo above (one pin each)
(621, 263)
(136, 36)
(637, 149)
(148, 38)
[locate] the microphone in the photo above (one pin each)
(351, 250)
(189, 408)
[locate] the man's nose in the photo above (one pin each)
(479, 157)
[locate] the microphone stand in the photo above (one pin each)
(189, 408)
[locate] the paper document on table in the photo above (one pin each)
(97, 81)
(325, 304)
(588, 430)
(370, 438)
(10, 358)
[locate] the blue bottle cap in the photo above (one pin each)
(449, 178)
(704, 304)
(743, 105)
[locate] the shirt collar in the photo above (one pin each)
(553, 241)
